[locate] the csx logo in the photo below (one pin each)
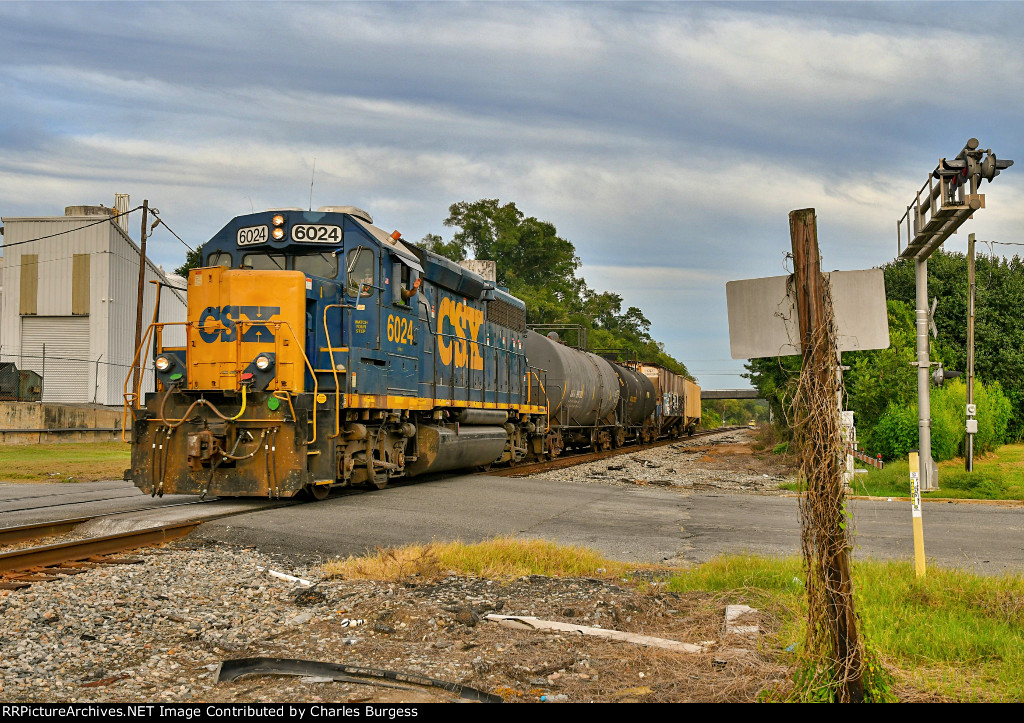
(466, 321)
(229, 316)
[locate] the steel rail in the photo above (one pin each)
(9, 535)
(49, 555)
(576, 459)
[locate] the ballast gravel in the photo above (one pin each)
(722, 462)
(156, 632)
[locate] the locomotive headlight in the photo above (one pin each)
(262, 362)
(278, 234)
(278, 220)
(162, 363)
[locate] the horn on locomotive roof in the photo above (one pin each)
(350, 210)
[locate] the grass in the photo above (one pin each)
(499, 558)
(952, 634)
(68, 462)
(998, 475)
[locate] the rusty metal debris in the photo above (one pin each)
(230, 670)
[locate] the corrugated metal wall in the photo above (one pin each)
(124, 291)
(58, 348)
(112, 269)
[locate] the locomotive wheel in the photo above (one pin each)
(318, 492)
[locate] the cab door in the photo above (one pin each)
(363, 292)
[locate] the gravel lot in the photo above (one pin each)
(156, 631)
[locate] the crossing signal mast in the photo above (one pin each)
(948, 199)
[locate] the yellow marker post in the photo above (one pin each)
(915, 500)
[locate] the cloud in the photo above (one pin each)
(668, 141)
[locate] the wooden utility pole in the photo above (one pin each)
(138, 307)
(971, 290)
(832, 623)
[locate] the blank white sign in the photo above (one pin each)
(763, 320)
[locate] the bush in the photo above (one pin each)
(895, 434)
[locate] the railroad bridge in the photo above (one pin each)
(729, 394)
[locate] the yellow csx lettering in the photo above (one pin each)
(466, 322)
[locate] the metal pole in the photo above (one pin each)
(924, 409)
(138, 309)
(971, 290)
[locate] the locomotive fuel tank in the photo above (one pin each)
(581, 389)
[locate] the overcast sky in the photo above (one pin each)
(667, 141)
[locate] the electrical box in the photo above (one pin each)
(972, 410)
(972, 426)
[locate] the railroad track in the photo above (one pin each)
(20, 568)
(572, 460)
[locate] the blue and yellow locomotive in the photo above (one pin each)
(321, 351)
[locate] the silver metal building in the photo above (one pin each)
(68, 304)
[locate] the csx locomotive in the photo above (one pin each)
(321, 351)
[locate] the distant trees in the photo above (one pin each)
(733, 411)
(540, 267)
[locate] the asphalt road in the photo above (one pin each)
(641, 524)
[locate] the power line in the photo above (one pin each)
(71, 230)
(160, 221)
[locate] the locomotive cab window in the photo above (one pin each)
(219, 258)
(359, 278)
(265, 262)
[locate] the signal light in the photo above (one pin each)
(940, 375)
(991, 166)
(278, 220)
(396, 235)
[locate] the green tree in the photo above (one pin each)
(540, 267)
(999, 323)
(192, 261)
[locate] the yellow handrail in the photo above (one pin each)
(547, 402)
(334, 370)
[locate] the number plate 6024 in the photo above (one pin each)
(314, 233)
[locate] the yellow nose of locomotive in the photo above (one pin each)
(243, 322)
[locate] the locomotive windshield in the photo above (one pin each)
(317, 263)
(324, 263)
(265, 262)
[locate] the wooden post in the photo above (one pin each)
(136, 389)
(825, 536)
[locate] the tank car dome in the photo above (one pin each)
(350, 210)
